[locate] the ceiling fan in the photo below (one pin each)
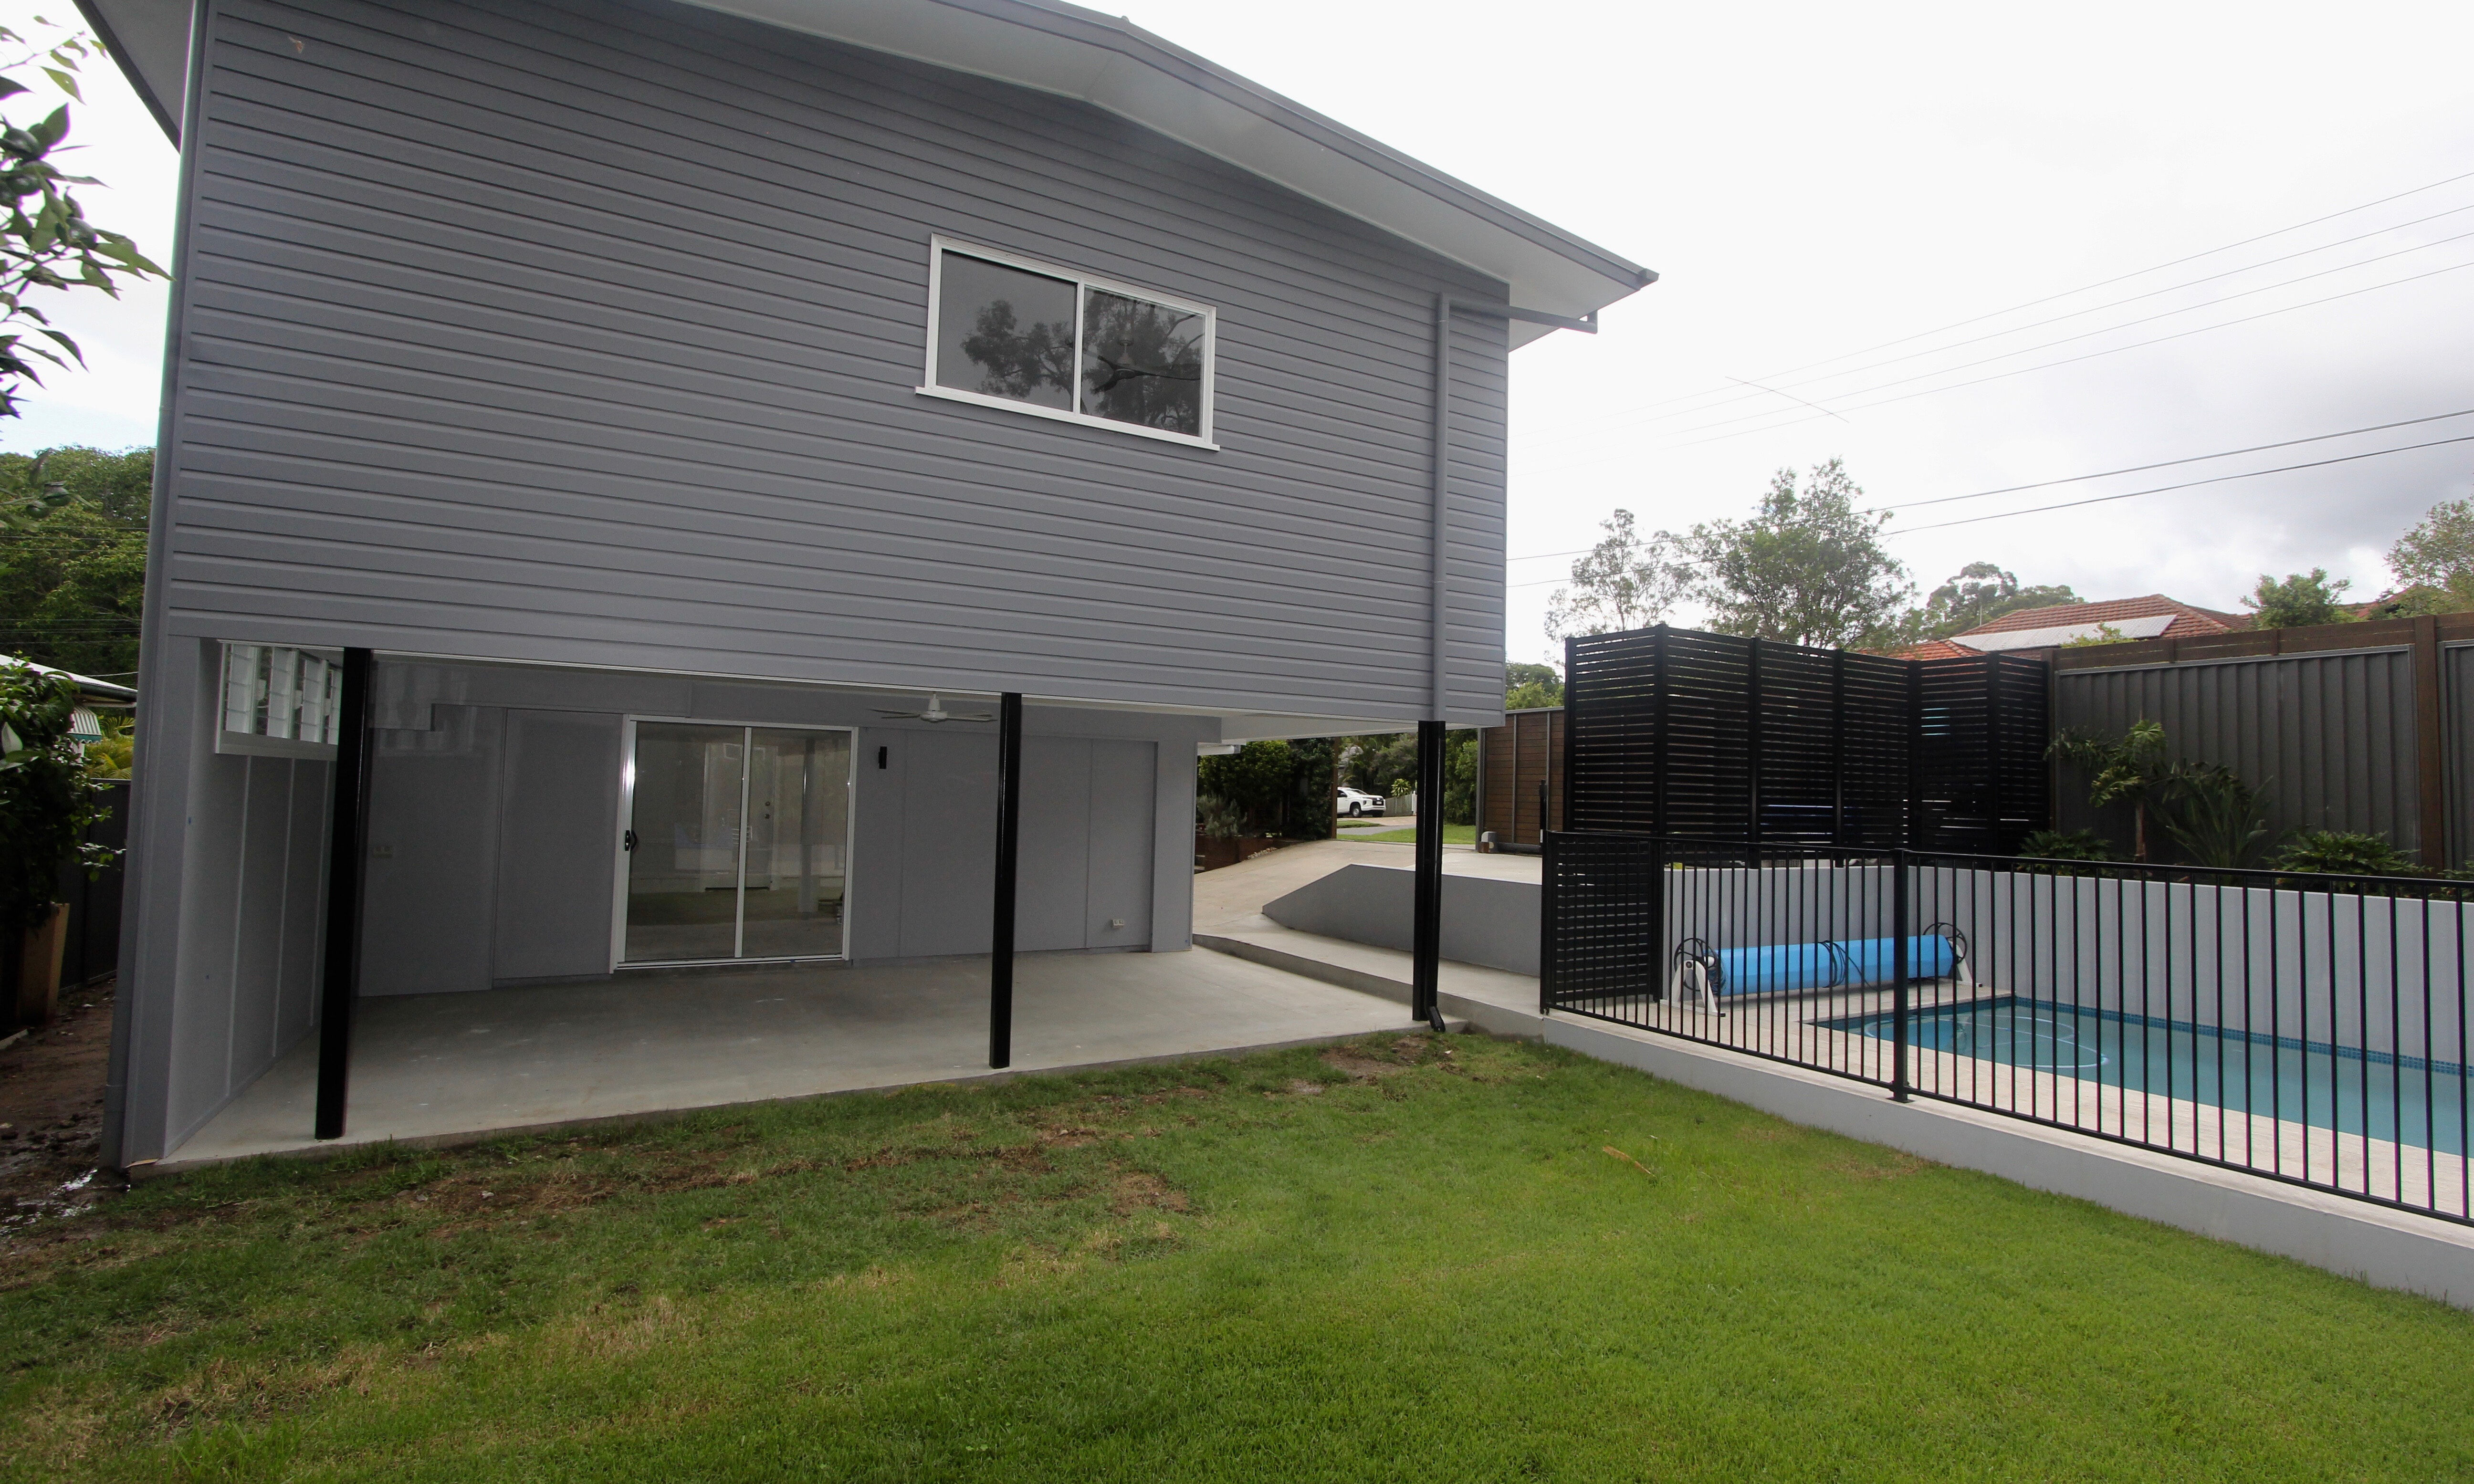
(935, 712)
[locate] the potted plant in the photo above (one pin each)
(48, 800)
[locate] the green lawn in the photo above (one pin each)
(1453, 835)
(1419, 1260)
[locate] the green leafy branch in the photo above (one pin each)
(46, 242)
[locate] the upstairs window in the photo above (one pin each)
(1006, 332)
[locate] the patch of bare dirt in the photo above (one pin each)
(1890, 1165)
(1370, 1063)
(51, 1114)
(1140, 1190)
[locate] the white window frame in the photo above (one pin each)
(1083, 283)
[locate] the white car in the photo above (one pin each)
(1355, 802)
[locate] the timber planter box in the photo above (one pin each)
(1212, 852)
(39, 951)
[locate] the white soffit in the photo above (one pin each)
(1113, 64)
(150, 40)
(2038, 638)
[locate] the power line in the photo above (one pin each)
(2074, 314)
(2196, 458)
(2098, 499)
(2088, 287)
(2069, 361)
(2104, 330)
(2134, 469)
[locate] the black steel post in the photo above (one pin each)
(347, 831)
(1899, 974)
(1545, 921)
(1008, 857)
(1427, 930)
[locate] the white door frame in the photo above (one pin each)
(747, 767)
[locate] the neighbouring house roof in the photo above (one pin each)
(92, 691)
(1114, 65)
(2131, 617)
(1932, 649)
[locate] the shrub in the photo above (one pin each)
(47, 798)
(2338, 853)
(2068, 846)
(2216, 817)
(1216, 819)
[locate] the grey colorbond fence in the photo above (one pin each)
(2313, 1030)
(2358, 727)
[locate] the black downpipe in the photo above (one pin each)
(347, 831)
(1427, 977)
(1008, 861)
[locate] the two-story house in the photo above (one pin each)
(644, 448)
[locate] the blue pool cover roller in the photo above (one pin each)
(1855, 964)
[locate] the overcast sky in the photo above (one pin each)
(1814, 181)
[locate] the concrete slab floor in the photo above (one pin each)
(434, 1065)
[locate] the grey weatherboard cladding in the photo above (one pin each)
(590, 333)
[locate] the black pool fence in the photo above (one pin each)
(2309, 1028)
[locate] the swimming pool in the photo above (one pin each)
(2405, 1098)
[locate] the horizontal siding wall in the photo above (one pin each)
(590, 332)
(2330, 735)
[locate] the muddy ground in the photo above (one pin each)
(51, 1109)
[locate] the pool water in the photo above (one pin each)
(2338, 1088)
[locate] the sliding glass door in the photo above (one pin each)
(737, 844)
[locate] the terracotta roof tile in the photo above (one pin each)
(2187, 619)
(1933, 650)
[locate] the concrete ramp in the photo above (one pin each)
(1487, 921)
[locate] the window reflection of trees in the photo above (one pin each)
(1020, 361)
(1142, 363)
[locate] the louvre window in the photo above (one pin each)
(279, 702)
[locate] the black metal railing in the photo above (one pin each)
(2312, 1029)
